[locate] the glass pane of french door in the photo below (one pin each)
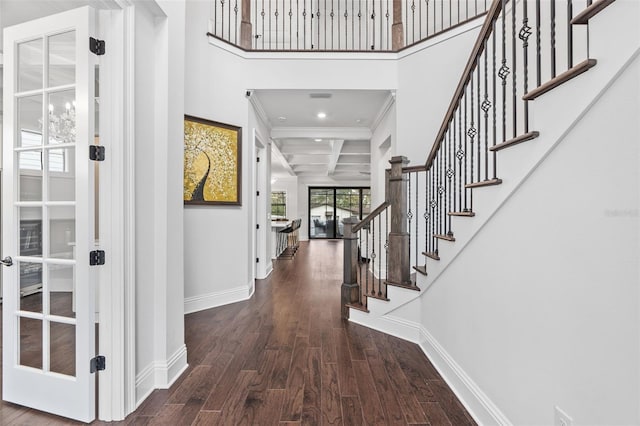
(48, 294)
(321, 213)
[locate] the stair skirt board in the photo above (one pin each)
(477, 403)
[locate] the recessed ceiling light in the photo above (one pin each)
(359, 120)
(321, 115)
(281, 118)
(318, 140)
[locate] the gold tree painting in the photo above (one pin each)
(212, 159)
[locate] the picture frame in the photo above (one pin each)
(212, 162)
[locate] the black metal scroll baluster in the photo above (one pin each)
(386, 247)
(366, 262)
(262, 13)
(332, 16)
(486, 105)
(417, 221)
(409, 212)
(466, 149)
(503, 73)
(290, 28)
(304, 24)
(538, 46)
(426, 211)
(276, 23)
(388, 27)
(373, 257)
(360, 263)
(413, 21)
(514, 69)
(569, 35)
(460, 157)
(553, 39)
(235, 13)
(346, 25)
(493, 110)
(325, 25)
(380, 261)
(525, 32)
(427, 18)
(479, 118)
(449, 174)
(373, 25)
(441, 192)
(472, 132)
(222, 20)
(359, 24)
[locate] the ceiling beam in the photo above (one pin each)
(343, 133)
(336, 149)
(277, 155)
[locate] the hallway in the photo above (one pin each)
(285, 356)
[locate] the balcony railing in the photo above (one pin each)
(336, 25)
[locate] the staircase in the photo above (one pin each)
(502, 125)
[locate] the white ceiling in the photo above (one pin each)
(337, 146)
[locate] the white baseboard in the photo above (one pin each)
(160, 374)
(219, 298)
(477, 403)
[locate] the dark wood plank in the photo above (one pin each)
(393, 413)
(267, 405)
(582, 67)
(596, 7)
(311, 402)
(207, 418)
(232, 410)
(436, 414)
(446, 398)
(292, 408)
(265, 369)
(346, 377)
(331, 409)
(369, 398)
(351, 411)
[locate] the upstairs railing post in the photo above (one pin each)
(350, 291)
(398, 268)
(245, 25)
(397, 29)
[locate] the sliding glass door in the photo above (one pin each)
(329, 206)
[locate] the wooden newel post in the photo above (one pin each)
(399, 270)
(350, 290)
(245, 25)
(397, 31)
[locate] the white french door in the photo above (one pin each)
(48, 215)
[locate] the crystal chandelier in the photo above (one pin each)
(62, 126)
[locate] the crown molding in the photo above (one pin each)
(259, 109)
(344, 133)
(388, 103)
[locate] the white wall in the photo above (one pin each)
(160, 349)
(426, 82)
(552, 310)
(382, 140)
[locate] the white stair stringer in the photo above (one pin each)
(515, 164)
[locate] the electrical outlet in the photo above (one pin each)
(562, 418)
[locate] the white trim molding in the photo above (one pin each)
(218, 298)
(160, 374)
(478, 404)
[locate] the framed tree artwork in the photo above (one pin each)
(212, 162)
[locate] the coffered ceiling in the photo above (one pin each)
(307, 144)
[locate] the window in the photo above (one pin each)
(328, 207)
(278, 204)
(32, 160)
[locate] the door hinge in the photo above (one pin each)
(96, 46)
(96, 257)
(98, 363)
(258, 226)
(96, 153)
(257, 159)
(257, 193)
(257, 260)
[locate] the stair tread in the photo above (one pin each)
(589, 12)
(422, 269)
(482, 183)
(358, 307)
(411, 286)
(515, 141)
(375, 296)
(560, 79)
(431, 254)
(463, 214)
(445, 237)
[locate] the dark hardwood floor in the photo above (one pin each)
(286, 357)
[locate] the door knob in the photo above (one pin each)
(7, 261)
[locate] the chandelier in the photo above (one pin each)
(62, 126)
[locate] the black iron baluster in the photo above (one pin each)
(409, 212)
(235, 13)
(450, 12)
(367, 260)
(304, 24)
(514, 69)
(359, 271)
(538, 46)
(229, 23)
(332, 16)
(486, 104)
(387, 16)
(284, 30)
(479, 118)
(553, 39)
(493, 110)
(346, 24)
(525, 32)
(290, 28)
(426, 211)
(419, 20)
(222, 20)
(466, 150)
(449, 174)
(569, 35)
(338, 20)
(460, 157)
(360, 24)
(503, 73)
(325, 25)
(417, 221)
(472, 129)
(318, 16)
(373, 25)
(215, 17)
(458, 11)
(413, 21)
(311, 24)
(386, 247)
(441, 191)
(373, 257)
(380, 261)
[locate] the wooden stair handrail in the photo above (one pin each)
(478, 48)
(370, 216)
